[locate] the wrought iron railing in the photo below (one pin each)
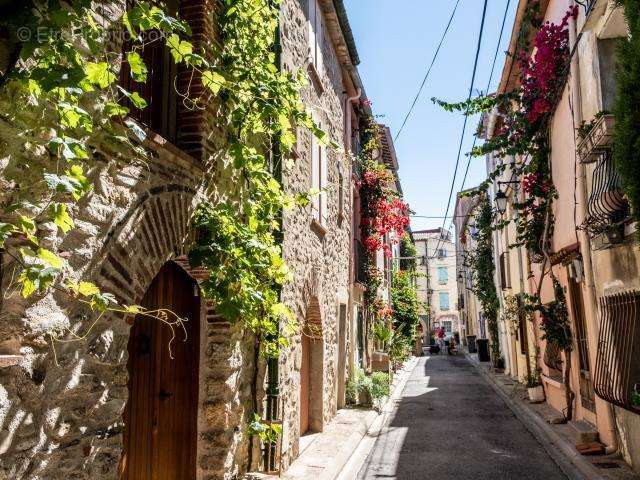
(607, 206)
(617, 372)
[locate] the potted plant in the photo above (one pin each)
(534, 387)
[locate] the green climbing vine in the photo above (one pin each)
(61, 92)
(480, 260)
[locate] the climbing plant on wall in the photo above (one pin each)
(63, 76)
(627, 107)
(480, 260)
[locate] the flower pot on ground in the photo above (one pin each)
(380, 362)
(536, 394)
(534, 387)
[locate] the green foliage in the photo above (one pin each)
(246, 271)
(555, 320)
(268, 432)
(405, 304)
(408, 253)
(375, 387)
(626, 153)
(380, 385)
(481, 263)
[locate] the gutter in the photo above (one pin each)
(343, 20)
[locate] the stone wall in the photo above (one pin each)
(62, 404)
(319, 260)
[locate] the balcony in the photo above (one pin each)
(607, 207)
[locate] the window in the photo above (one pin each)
(443, 275)
(505, 274)
(316, 35)
(319, 179)
(161, 114)
(617, 372)
(341, 195)
(442, 253)
(446, 324)
(444, 300)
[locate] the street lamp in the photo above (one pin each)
(501, 202)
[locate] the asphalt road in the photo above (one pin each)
(450, 424)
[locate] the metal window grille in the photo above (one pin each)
(607, 206)
(617, 372)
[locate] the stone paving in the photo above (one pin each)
(450, 424)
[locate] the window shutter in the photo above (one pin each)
(312, 29)
(315, 176)
(323, 185)
(319, 38)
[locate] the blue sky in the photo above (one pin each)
(396, 40)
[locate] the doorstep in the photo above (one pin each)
(559, 440)
(324, 455)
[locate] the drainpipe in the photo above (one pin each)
(591, 309)
(352, 254)
(272, 390)
(347, 120)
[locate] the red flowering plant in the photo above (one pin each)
(383, 212)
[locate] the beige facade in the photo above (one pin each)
(437, 283)
(593, 252)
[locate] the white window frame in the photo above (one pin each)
(316, 34)
(319, 179)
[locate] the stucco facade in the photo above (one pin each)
(437, 283)
(591, 263)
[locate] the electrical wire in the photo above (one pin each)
(424, 80)
(493, 66)
(466, 117)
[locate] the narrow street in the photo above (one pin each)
(450, 424)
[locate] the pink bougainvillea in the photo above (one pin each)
(541, 71)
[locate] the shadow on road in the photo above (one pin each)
(450, 424)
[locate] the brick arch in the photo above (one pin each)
(156, 230)
(312, 324)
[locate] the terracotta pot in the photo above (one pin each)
(536, 394)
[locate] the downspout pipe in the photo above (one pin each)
(272, 390)
(605, 414)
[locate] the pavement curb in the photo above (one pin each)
(349, 469)
(572, 464)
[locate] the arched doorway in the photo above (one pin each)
(312, 371)
(160, 436)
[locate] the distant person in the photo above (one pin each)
(441, 334)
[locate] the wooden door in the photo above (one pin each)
(342, 354)
(161, 415)
(305, 384)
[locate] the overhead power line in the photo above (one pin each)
(466, 117)
(424, 80)
(493, 66)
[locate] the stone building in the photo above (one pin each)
(75, 413)
(437, 288)
(317, 241)
(72, 408)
